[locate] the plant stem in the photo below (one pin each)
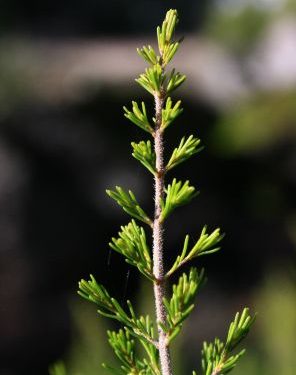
(158, 267)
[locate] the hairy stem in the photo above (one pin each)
(158, 267)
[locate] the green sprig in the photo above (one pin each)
(186, 149)
(214, 360)
(144, 152)
(148, 54)
(170, 113)
(110, 308)
(124, 347)
(177, 194)
(238, 329)
(217, 357)
(129, 204)
(98, 294)
(181, 303)
(138, 116)
(174, 81)
(166, 30)
(152, 80)
(169, 52)
(142, 328)
(206, 244)
(132, 244)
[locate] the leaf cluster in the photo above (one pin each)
(170, 113)
(132, 244)
(125, 349)
(138, 116)
(129, 204)
(156, 81)
(206, 244)
(177, 194)
(181, 303)
(166, 45)
(110, 308)
(218, 357)
(187, 148)
(144, 152)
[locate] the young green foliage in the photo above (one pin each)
(110, 308)
(156, 335)
(125, 349)
(187, 148)
(174, 81)
(169, 113)
(181, 303)
(217, 357)
(206, 244)
(166, 30)
(129, 204)
(144, 152)
(152, 80)
(177, 194)
(133, 246)
(148, 55)
(139, 117)
(99, 295)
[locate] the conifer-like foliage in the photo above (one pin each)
(155, 335)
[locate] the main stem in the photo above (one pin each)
(158, 267)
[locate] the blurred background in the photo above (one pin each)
(66, 70)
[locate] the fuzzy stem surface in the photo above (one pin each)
(158, 262)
